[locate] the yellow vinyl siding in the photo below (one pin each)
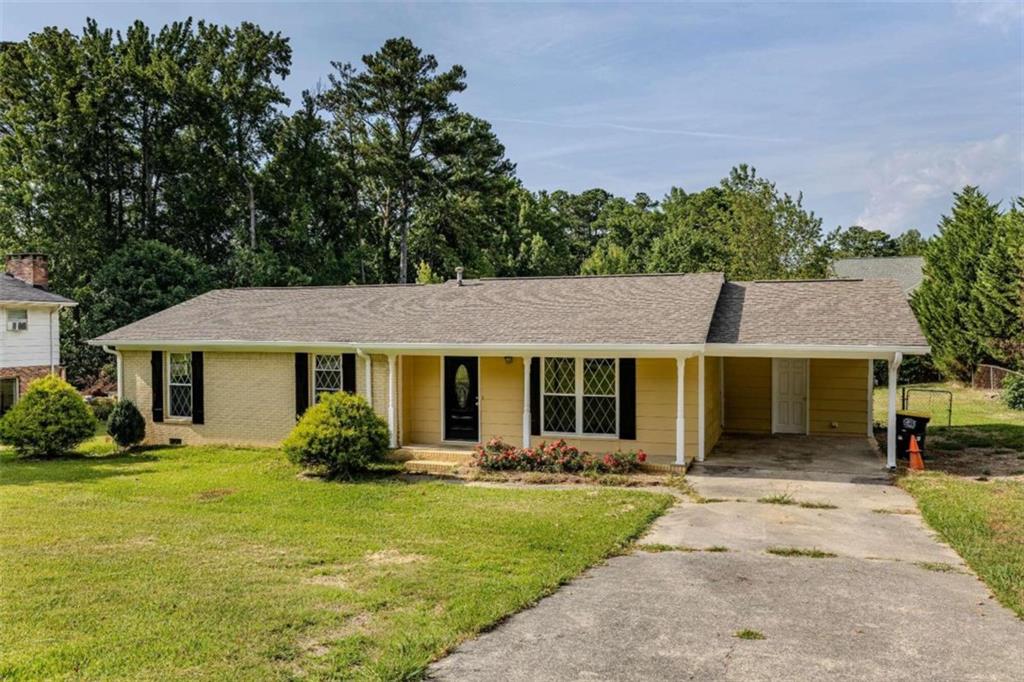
(421, 399)
(249, 399)
(712, 403)
(501, 400)
(748, 394)
(839, 397)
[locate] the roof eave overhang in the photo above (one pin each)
(800, 350)
(880, 352)
(45, 304)
(485, 349)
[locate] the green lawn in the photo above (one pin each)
(984, 522)
(986, 437)
(213, 563)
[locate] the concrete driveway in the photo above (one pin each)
(893, 604)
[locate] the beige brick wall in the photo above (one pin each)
(249, 399)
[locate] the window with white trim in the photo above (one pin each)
(326, 375)
(17, 319)
(580, 396)
(179, 384)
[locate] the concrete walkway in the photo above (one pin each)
(878, 610)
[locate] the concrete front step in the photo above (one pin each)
(432, 455)
(423, 466)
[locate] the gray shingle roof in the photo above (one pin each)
(643, 309)
(908, 270)
(12, 289)
(820, 312)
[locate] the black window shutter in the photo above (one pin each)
(198, 411)
(301, 383)
(627, 398)
(348, 372)
(534, 397)
(156, 361)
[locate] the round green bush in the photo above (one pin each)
(1013, 391)
(49, 420)
(101, 408)
(340, 435)
(126, 424)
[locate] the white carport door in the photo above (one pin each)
(789, 395)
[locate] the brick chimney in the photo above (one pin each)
(31, 268)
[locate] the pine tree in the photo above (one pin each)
(998, 311)
(944, 302)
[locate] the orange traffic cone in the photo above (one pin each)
(916, 463)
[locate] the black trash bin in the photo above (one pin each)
(910, 424)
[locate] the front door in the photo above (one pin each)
(461, 404)
(789, 390)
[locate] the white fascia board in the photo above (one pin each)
(533, 349)
(38, 304)
(747, 350)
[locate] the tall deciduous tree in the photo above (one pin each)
(945, 302)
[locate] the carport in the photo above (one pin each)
(795, 457)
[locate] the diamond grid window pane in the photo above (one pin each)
(181, 368)
(560, 375)
(599, 377)
(326, 375)
(329, 362)
(560, 413)
(599, 415)
(181, 400)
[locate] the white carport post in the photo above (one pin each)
(527, 361)
(890, 442)
(681, 410)
(393, 400)
(700, 407)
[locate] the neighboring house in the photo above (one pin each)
(907, 270)
(30, 329)
(659, 362)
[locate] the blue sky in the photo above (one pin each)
(875, 111)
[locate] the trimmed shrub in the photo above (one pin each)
(49, 420)
(126, 424)
(1013, 391)
(101, 408)
(340, 435)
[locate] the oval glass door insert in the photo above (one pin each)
(462, 386)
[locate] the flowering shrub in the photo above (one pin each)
(555, 457)
(621, 462)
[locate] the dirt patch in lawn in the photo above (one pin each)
(392, 557)
(214, 494)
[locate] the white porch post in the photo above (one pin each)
(894, 367)
(680, 410)
(527, 361)
(721, 390)
(700, 408)
(392, 400)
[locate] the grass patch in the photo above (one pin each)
(983, 522)
(818, 505)
(896, 510)
(800, 552)
(748, 634)
(657, 548)
(213, 563)
(937, 566)
(716, 548)
(780, 498)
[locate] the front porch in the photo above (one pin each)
(675, 409)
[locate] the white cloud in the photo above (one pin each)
(905, 181)
(1003, 15)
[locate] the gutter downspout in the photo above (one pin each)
(52, 310)
(120, 373)
(367, 374)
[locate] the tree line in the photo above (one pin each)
(154, 165)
